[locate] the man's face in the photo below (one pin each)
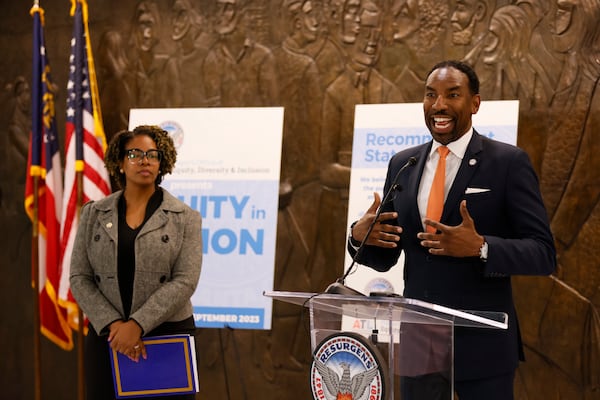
(227, 17)
(180, 20)
(310, 22)
(464, 18)
(367, 42)
(350, 21)
(448, 104)
(145, 33)
(406, 18)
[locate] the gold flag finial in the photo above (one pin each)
(73, 7)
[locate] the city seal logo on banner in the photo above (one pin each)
(346, 366)
(175, 131)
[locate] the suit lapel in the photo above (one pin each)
(468, 167)
(110, 222)
(156, 221)
(108, 216)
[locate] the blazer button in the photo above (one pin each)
(165, 238)
(97, 278)
(163, 279)
(428, 258)
(96, 238)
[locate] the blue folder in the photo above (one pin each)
(169, 369)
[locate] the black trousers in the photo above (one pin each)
(493, 388)
(434, 386)
(437, 387)
(99, 383)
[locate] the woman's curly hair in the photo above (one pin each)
(115, 153)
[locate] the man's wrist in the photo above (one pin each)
(353, 242)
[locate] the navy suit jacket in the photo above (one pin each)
(508, 211)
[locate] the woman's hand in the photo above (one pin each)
(126, 338)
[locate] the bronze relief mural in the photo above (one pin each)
(318, 59)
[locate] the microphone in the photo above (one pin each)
(338, 287)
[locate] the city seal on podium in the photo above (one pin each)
(347, 366)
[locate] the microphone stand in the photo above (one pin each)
(339, 287)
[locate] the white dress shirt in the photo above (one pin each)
(453, 160)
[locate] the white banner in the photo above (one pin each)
(228, 164)
(382, 130)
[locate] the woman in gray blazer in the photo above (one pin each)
(136, 258)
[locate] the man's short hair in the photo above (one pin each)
(462, 67)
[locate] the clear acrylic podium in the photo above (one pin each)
(414, 338)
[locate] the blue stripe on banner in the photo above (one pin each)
(228, 317)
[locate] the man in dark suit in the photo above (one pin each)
(493, 225)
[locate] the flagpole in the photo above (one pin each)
(35, 282)
(79, 166)
(86, 144)
(80, 317)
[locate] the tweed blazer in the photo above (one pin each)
(168, 259)
(502, 192)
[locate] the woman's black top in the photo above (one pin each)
(126, 249)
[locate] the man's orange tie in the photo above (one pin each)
(435, 204)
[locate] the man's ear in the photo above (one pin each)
(297, 24)
(476, 102)
(480, 11)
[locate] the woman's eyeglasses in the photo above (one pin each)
(135, 156)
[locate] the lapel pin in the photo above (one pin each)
(472, 162)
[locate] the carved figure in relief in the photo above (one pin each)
(184, 67)
(570, 183)
(569, 178)
(148, 66)
(237, 70)
(19, 127)
(514, 63)
(469, 22)
(360, 83)
(12, 189)
(301, 95)
(338, 30)
(517, 74)
(418, 28)
(114, 81)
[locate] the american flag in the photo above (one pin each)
(85, 146)
(44, 174)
